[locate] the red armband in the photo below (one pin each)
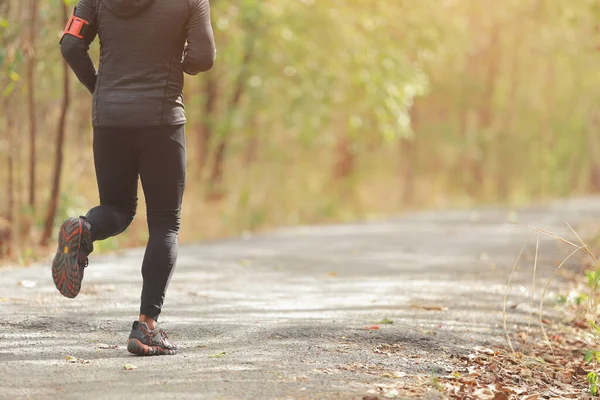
(75, 26)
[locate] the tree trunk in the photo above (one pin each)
(346, 158)
(33, 26)
(409, 158)
(251, 149)
(10, 184)
(486, 113)
(206, 126)
(593, 152)
(216, 176)
(508, 122)
(58, 161)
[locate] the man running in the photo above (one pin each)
(138, 121)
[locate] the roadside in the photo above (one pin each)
(333, 312)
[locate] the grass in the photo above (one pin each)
(593, 279)
(592, 306)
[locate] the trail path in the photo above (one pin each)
(287, 311)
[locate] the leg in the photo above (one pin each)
(117, 176)
(116, 171)
(161, 162)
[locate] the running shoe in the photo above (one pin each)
(74, 246)
(145, 342)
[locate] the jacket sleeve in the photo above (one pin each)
(200, 52)
(75, 43)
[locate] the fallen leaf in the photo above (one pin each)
(323, 370)
(532, 397)
(428, 307)
(372, 328)
(27, 284)
(549, 359)
(218, 355)
(388, 349)
(526, 373)
(332, 274)
(385, 321)
(501, 396)
(104, 346)
(370, 398)
(129, 367)
(485, 350)
(581, 324)
(580, 371)
(71, 359)
(483, 394)
(201, 346)
(564, 376)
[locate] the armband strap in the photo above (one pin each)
(75, 26)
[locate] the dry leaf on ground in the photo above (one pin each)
(428, 307)
(73, 360)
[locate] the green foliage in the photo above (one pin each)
(592, 378)
(593, 278)
(591, 356)
(440, 104)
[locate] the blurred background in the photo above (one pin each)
(321, 111)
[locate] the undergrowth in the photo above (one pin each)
(586, 298)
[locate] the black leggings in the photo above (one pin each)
(157, 156)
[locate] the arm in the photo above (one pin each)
(200, 52)
(80, 31)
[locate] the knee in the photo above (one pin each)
(164, 220)
(127, 214)
(128, 217)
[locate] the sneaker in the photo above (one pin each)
(144, 342)
(74, 246)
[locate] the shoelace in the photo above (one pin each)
(163, 334)
(165, 338)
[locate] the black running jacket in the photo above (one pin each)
(145, 47)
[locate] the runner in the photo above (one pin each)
(138, 121)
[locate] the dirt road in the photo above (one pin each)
(284, 315)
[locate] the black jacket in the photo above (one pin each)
(145, 47)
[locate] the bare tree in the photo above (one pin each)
(206, 130)
(10, 183)
(216, 176)
(33, 26)
(60, 139)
